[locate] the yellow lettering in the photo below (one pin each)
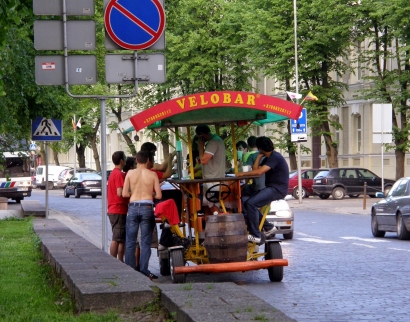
(181, 103)
(214, 98)
(192, 101)
(239, 99)
(251, 100)
(203, 102)
(227, 98)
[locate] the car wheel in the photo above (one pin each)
(324, 196)
(402, 232)
(66, 195)
(295, 193)
(354, 196)
(274, 251)
(375, 226)
(76, 193)
(176, 258)
(288, 235)
(94, 196)
(372, 196)
(386, 190)
(42, 188)
(338, 193)
(18, 200)
(50, 185)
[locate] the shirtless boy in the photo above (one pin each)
(141, 185)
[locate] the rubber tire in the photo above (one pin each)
(354, 196)
(295, 193)
(176, 259)
(164, 267)
(288, 235)
(94, 196)
(324, 196)
(402, 232)
(274, 251)
(375, 227)
(372, 196)
(338, 193)
(76, 195)
(18, 200)
(66, 195)
(42, 188)
(50, 185)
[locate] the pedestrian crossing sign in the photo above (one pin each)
(44, 129)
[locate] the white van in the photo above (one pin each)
(53, 172)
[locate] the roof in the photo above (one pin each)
(219, 107)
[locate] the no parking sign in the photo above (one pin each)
(134, 24)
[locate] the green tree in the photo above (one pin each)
(324, 34)
(385, 62)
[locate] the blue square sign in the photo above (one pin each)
(44, 129)
(300, 125)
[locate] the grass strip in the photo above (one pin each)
(30, 290)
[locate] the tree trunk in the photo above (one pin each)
(400, 159)
(130, 144)
(96, 155)
(55, 155)
(80, 155)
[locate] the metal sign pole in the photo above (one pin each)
(46, 179)
(103, 175)
(75, 146)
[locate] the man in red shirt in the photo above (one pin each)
(117, 206)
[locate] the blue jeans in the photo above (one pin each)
(139, 214)
(251, 208)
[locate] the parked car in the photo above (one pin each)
(66, 175)
(83, 184)
(108, 173)
(340, 182)
(307, 176)
(53, 172)
(281, 215)
(392, 213)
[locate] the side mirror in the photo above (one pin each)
(379, 195)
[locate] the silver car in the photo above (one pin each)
(66, 175)
(281, 216)
(392, 213)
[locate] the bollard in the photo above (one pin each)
(364, 195)
(3, 203)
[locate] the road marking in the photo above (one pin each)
(307, 235)
(319, 241)
(368, 240)
(368, 246)
(405, 250)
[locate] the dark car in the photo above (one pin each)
(393, 212)
(66, 174)
(307, 176)
(83, 184)
(340, 182)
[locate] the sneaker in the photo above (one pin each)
(161, 247)
(270, 232)
(253, 239)
(152, 276)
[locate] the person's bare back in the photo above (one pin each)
(141, 183)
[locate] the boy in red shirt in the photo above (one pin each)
(117, 206)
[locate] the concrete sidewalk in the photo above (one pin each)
(96, 280)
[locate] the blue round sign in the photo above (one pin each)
(134, 24)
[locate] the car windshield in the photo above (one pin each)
(322, 174)
(89, 176)
(293, 173)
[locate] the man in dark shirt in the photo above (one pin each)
(276, 172)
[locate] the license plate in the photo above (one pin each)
(95, 189)
(318, 181)
(22, 189)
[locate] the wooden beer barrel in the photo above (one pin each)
(226, 238)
